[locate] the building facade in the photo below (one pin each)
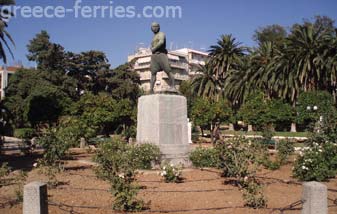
(5, 73)
(184, 64)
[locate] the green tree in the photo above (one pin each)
(104, 115)
(275, 34)
(31, 99)
(278, 115)
(313, 105)
(226, 55)
(205, 84)
(186, 90)
(122, 83)
(209, 115)
(48, 56)
(4, 35)
(253, 110)
(85, 68)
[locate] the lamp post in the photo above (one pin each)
(2, 124)
(319, 122)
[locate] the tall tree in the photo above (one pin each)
(205, 84)
(122, 83)
(274, 34)
(4, 35)
(85, 67)
(226, 55)
(47, 55)
(32, 99)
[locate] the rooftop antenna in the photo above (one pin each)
(202, 48)
(190, 44)
(171, 45)
(139, 46)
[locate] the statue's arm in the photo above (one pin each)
(161, 41)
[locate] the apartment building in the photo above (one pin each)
(184, 63)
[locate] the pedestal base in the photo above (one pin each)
(162, 120)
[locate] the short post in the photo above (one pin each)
(83, 143)
(35, 198)
(315, 198)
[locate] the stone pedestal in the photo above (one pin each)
(315, 198)
(35, 198)
(162, 120)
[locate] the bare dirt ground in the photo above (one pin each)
(202, 192)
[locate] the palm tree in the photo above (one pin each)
(261, 61)
(205, 84)
(225, 55)
(4, 35)
(307, 46)
(238, 83)
(331, 65)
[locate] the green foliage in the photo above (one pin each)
(4, 171)
(204, 157)
(261, 112)
(125, 195)
(312, 105)
(253, 109)
(275, 34)
(171, 173)
(271, 165)
(284, 149)
(24, 133)
(317, 162)
(207, 114)
(50, 171)
(88, 68)
(239, 159)
(54, 148)
(123, 83)
(31, 99)
(144, 155)
(116, 165)
(278, 114)
(235, 157)
(71, 129)
(102, 114)
(253, 195)
(20, 180)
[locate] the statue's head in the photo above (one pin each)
(155, 27)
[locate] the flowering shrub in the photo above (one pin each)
(317, 162)
(4, 171)
(116, 165)
(284, 149)
(144, 155)
(253, 194)
(239, 158)
(204, 157)
(171, 173)
(54, 148)
(235, 157)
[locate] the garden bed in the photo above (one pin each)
(203, 191)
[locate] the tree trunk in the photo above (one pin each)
(293, 127)
(250, 128)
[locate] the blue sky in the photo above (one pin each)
(202, 22)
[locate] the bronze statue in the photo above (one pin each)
(159, 59)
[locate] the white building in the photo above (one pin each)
(183, 62)
(5, 73)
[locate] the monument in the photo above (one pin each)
(159, 59)
(162, 117)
